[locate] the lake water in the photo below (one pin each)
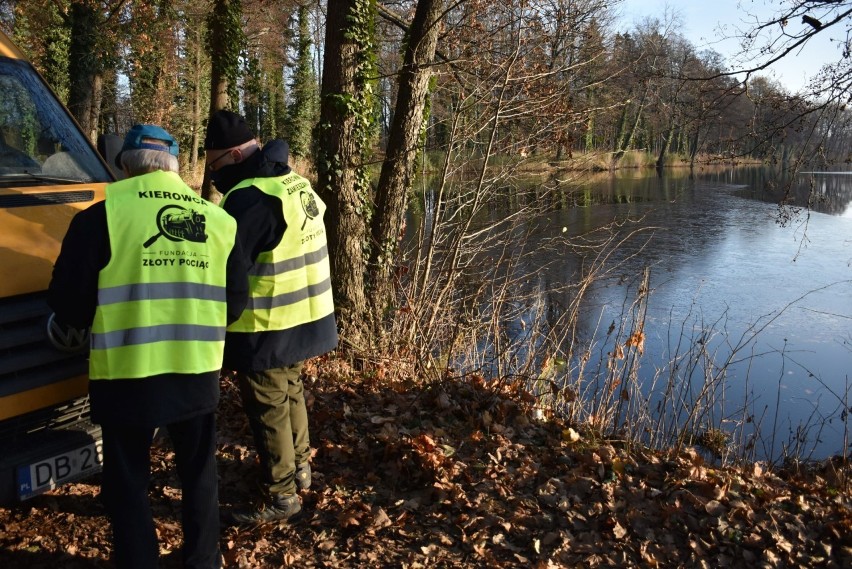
(725, 257)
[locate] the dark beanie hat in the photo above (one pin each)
(226, 129)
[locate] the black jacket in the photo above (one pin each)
(73, 295)
(260, 226)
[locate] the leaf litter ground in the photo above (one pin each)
(460, 474)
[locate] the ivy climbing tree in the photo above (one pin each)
(254, 99)
(344, 137)
(225, 42)
(275, 122)
(91, 51)
(152, 64)
(302, 110)
(41, 32)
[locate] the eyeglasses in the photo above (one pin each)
(210, 166)
(242, 149)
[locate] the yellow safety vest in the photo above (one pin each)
(162, 296)
(291, 284)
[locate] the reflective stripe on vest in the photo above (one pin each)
(162, 297)
(291, 284)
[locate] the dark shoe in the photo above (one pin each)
(279, 509)
(303, 476)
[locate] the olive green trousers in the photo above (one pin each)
(274, 401)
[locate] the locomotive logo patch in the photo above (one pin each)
(177, 223)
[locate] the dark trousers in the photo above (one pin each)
(274, 401)
(126, 475)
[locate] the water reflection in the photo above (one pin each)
(727, 259)
(828, 192)
(725, 262)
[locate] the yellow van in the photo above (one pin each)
(49, 171)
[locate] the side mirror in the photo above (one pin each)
(109, 145)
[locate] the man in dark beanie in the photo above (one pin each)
(290, 314)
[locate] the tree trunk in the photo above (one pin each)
(625, 139)
(224, 42)
(667, 141)
(693, 147)
(589, 137)
(341, 176)
(196, 105)
(83, 66)
(218, 101)
(404, 144)
(95, 107)
(302, 110)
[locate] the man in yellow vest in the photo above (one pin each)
(290, 313)
(158, 273)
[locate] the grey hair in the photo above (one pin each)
(144, 160)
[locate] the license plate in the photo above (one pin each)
(48, 473)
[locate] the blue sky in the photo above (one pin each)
(705, 22)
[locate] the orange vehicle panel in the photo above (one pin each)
(30, 237)
(45, 396)
(8, 49)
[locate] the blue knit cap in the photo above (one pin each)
(139, 132)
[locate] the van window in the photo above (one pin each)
(39, 143)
